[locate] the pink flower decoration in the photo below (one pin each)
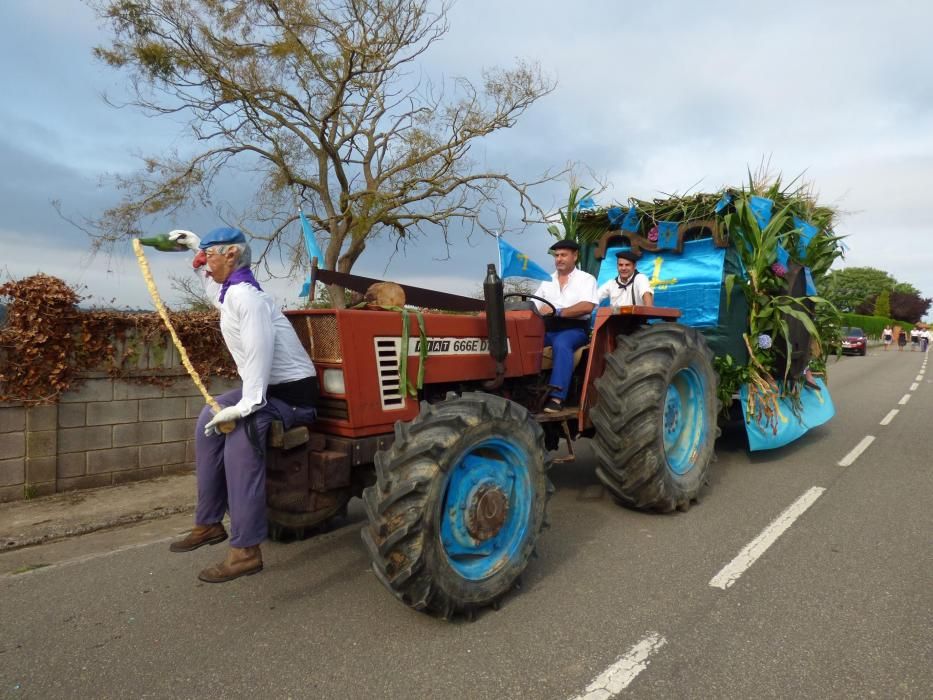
(653, 234)
(778, 269)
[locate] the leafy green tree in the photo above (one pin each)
(883, 304)
(321, 100)
(851, 286)
(905, 288)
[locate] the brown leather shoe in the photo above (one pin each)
(200, 536)
(240, 561)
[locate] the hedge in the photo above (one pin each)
(873, 325)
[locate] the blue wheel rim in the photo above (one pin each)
(486, 508)
(684, 420)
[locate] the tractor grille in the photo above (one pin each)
(335, 409)
(387, 356)
(318, 334)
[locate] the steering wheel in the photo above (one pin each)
(524, 296)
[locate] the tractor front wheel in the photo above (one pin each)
(458, 504)
(655, 417)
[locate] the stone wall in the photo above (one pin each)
(105, 432)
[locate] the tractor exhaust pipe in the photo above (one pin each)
(495, 325)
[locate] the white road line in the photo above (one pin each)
(856, 451)
(919, 377)
(731, 572)
(913, 387)
(618, 676)
(45, 568)
(904, 399)
(888, 418)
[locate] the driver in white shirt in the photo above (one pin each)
(572, 292)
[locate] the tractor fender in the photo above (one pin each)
(609, 323)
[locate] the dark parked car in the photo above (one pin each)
(854, 341)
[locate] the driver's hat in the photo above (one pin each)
(565, 244)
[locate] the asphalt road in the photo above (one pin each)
(840, 604)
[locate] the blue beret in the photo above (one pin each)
(222, 236)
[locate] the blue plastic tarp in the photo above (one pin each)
(690, 281)
(816, 409)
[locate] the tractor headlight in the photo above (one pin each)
(332, 381)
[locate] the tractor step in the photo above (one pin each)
(563, 414)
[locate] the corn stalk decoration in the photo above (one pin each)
(763, 284)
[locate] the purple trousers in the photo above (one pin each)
(231, 468)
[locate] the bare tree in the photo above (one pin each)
(511, 285)
(322, 99)
(190, 291)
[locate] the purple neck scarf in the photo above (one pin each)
(244, 274)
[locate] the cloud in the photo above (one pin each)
(26, 196)
(660, 97)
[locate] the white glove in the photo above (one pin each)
(186, 238)
(224, 415)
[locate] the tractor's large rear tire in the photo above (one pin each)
(458, 504)
(655, 417)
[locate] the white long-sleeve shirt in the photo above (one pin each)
(633, 292)
(261, 340)
(580, 286)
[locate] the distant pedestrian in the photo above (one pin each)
(914, 338)
(887, 335)
(901, 340)
(925, 339)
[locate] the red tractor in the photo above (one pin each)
(435, 420)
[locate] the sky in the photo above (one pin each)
(654, 97)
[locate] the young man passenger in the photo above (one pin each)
(630, 287)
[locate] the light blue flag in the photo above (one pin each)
(783, 256)
(807, 232)
(761, 208)
(314, 251)
(816, 409)
(630, 223)
(615, 217)
(723, 203)
(690, 281)
(515, 263)
(667, 234)
(811, 288)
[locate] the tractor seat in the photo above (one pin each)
(547, 356)
(287, 439)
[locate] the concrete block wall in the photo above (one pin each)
(107, 431)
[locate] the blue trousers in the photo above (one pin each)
(564, 344)
(231, 468)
